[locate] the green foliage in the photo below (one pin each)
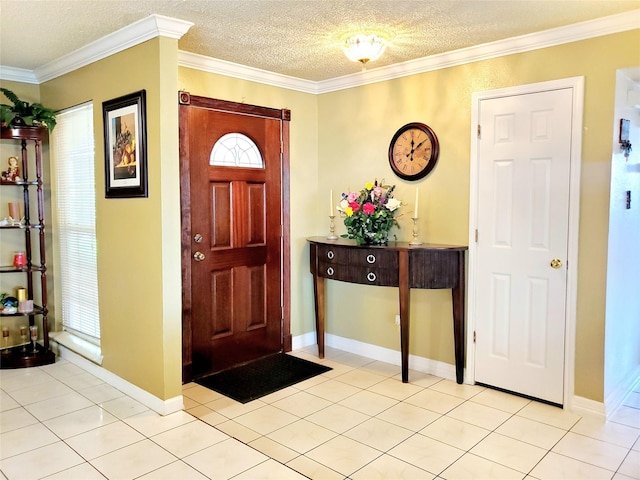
(23, 113)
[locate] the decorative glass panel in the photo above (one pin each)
(236, 150)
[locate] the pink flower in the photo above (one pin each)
(368, 208)
(354, 206)
(352, 197)
(377, 191)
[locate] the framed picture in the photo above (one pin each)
(125, 146)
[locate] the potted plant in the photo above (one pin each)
(23, 113)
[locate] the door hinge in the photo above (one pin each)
(476, 235)
(478, 130)
(474, 336)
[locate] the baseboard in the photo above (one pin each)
(163, 407)
(614, 400)
(586, 406)
(374, 352)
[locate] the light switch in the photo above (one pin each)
(628, 199)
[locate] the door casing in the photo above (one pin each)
(184, 98)
(577, 86)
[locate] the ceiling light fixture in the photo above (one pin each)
(364, 48)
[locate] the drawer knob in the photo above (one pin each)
(371, 259)
(371, 277)
(330, 255)
(330, 271)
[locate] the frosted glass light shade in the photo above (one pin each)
(364, 48)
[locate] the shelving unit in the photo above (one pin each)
(21, 353)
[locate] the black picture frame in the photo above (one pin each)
(125, 146)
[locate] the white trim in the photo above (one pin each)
(18, 75)
(585, 406)
(576, 84)
(129, 36)
(155, 25)
(163, 407)
(614, 400)
(78, 345)
(382, 354)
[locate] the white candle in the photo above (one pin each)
(415, 209)
(331, 203)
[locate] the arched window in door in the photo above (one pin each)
(236, 150)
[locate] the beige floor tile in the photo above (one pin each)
(457, 390)
(6, 402)
(232, 409)
(266, 419)
(80, 381)
(80, 421)
(592, 451)
(631, 465)
(48, 389)
(501, 400)
(174, 471)
(237, 431)
(382, 368)
(270, 470)
(394, 388)
(84, 471)
(368, 402)
(387, 467)
(408, 416)
(101, 393)
(150, 423)
(201, 394)
(60, 405)
(273, 449)
(337, 418)
(332, 390)
(133, 461)
(189, 438)
(509, 452)
(434, 401)
(302, 436)
(24, 439)
(41, 462)
(532, 432)
(426, 453)
(627, 416)
(225, 459)
(472, 467)
(312, 469)
(123, 407)
(343, 455)
(554, 467)
(207, 415)
(280, 394)
(554, 416)
(599, 428)
(16, 418)
(62, 369)
(103, 440)
(422, 379)
(26, 379)
(301, 404)
(454, 432)
(379, 434)
(479, 415)
(360, 378)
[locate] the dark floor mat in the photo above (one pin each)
(261, 377)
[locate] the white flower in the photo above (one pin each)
(392, 204)
(342, 206)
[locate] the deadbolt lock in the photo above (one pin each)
(198, 256)
(197, 238)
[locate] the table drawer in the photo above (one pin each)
(363, 275)
(333, 254)
(373, 257)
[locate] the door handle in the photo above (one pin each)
(198, 256)
(556, 263)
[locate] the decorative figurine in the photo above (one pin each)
(12, 174)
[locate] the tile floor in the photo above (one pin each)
(357, 421)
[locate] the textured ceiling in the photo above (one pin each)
(300, 38)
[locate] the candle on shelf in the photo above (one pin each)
(415, 208)
(331, 203)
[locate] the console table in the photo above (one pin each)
(398, 264)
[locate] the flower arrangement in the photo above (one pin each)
(370, 213)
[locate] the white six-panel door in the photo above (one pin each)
(523, 211)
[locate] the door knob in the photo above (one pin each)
(198, 256)
(556, 263)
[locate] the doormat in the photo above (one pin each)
(261, 377)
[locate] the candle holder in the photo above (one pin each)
(415, 240)
(332, 229)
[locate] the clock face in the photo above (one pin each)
(413, 151)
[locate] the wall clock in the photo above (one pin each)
(413, 151)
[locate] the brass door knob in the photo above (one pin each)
(198, 256)
(556, 263)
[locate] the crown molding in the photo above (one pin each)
(18, 75)
(129, 36)
(243, 72)
(159, 25)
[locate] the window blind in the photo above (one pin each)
(75, 200)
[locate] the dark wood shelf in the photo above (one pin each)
(37, 310)
(15, 357)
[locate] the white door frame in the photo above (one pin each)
(577, 86)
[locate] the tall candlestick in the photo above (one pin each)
(415, 209)
(330, 202)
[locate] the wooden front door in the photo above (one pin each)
(233, 179)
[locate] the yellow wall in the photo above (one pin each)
(356, 125)
(138, 239)
(339, 141)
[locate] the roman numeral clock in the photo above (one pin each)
(413, 151)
